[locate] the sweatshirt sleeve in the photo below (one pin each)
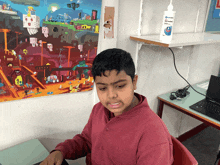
(80, 145)
(157, 154)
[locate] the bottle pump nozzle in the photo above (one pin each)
(170, 7)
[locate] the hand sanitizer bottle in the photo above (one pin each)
(167, 27)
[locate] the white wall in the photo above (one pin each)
(156, 70)
(55, 118)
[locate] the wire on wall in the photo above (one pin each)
(187, 81)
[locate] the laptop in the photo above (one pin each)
(207, 106)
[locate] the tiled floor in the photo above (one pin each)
(204, 145)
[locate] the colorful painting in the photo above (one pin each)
(218, 4)
(47, 47)
(216, 13)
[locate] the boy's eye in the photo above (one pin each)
(102, 89)
(120, 86)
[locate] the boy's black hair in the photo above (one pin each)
(113, 59)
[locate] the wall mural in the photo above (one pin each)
(47, 47)
(216, 13)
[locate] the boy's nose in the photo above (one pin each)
(112, 93)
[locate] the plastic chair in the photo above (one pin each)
(181, 154)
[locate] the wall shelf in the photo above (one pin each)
(179, 40)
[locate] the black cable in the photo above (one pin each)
(180, 93)
(218, 156)
(187, 81)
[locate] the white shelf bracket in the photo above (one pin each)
(139, 46)
(140, 18)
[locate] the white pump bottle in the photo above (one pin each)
(168, 21)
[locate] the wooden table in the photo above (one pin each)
(183, 105)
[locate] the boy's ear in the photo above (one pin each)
(135, 82)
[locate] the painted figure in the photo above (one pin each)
(85, 71)
(4, 6)
(83, 57)
(108, 32)
(80, 47)
(52, 78)
(45, 31)
(18, 79)
(40, 43)
(32, 23)
(33, 41)
(50, 46)
(13, 52)
(31, 11)
(66, 17)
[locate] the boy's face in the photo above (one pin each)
(116, 92)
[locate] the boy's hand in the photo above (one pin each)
(55, 158)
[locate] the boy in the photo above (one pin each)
(122, 129)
